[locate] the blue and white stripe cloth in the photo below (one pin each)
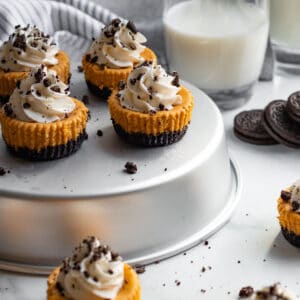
(72, 22)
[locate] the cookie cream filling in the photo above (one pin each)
(119, 45)
(150, 89)
(93, 272)
(41, 98)
(27, 48)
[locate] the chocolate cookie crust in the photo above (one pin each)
(102, 93)
(142, 139)
(4, 100)
(291, 237)
(50, 153)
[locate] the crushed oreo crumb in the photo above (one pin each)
(38, 76)
(286, 196)
(94, 59)
(8, 109)
(26, 105)
(116, 22)
(122, 85)
(55, 89)
(295, 205)
(161, 106)
(2, 171)
(20, 42)
(131, 26)
(99, 132)
(130, 168)
(88, 57)
(46, 82)
(140, 269)
(175, 81)
(246, 292)
(80, 69)
(132, 81)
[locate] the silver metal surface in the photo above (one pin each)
(47, 208)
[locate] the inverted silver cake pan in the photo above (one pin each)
(180, 195)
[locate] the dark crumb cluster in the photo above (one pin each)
(140, 269)
(130, 168)
(100, 132)
(246, 292)
(2, 171)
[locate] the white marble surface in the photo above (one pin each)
(251, 237)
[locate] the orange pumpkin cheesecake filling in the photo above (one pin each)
(289, 213)
(113, 55)
(41, 121)
(93, 272)
(27, 48)
(151, 109)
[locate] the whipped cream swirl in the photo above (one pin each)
(27, 48)
(119, 46)
(150, 89)
(292, 195)
(93, 272)
(41, 98)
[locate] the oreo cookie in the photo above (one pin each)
(280, 126)
(248, 127)
(293, 106)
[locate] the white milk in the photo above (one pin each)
(285, 23)
(217, 45)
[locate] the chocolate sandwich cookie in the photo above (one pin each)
(279, 125)
(293, 106)
(248, 128)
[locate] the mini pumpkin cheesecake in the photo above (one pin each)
(93, 272)
(41, 121)
(289, 213)
(151, 109)
(27, 48)
(113, 55)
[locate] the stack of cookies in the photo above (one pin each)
(279, 122)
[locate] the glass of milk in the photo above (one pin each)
(218, 45)
(285, 33)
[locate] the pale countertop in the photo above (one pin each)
(251, 237)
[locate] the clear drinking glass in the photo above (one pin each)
(218, 45)
(285, 34)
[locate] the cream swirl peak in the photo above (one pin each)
(93, 272)
(150, 89)
(41, 97)
(119, 46)
(27, 48)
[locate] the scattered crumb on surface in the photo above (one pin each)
(130, 168)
